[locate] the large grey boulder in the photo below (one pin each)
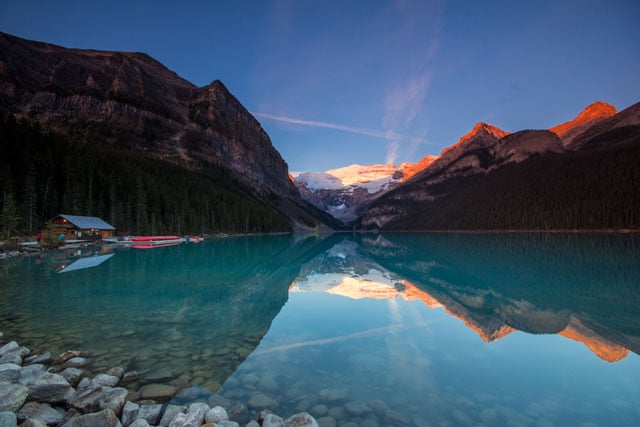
(302, 419)
(106, 380)
(41, 411)
(73, 375)
(50, 388)
(216, 414)
(195, 415)
(169, 413)
(129, 413)
(104, 418)
(8, 419)
(8, 347)
(12, 396)
(149, 413)
(31, 373)
(94, 398)
(9, 372)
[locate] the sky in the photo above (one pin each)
(338, 82)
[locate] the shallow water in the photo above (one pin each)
(433, 329)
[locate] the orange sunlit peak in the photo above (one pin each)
(602, 348)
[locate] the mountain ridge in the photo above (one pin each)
(444, 193)
(130, 101)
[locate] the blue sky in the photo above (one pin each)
(338, 82)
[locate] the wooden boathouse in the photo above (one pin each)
(76, 227)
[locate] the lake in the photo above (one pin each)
(359, 330)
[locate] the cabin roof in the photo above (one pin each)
(87, 222)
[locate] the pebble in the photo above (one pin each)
(70, 399)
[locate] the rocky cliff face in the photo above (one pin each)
(131, 101)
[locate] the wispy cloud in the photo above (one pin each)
(404, 102)
(382, 134)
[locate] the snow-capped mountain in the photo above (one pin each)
(346, 192)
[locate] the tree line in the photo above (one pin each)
(43, 175)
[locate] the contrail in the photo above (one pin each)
(351, 129)
(363, 334)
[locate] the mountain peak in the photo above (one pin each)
(588, 117)
(598, 109)
(480, 130)
(483, 129)
(487, 128)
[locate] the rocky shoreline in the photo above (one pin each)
(39, 390)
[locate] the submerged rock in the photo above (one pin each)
(357, 408)
(69, 354)
(129, 377)
(158, 392)
(75, 362)
(38, 358)
(261, 401)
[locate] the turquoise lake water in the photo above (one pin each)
(376, 330)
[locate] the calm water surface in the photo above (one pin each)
(420, 330)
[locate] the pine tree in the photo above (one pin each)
(9, 216)
(30, 201)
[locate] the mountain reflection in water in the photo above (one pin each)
(298, 319)
(499, 283)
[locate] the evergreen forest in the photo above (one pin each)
(596, 188)
(43, 175)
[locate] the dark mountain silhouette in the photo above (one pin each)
(525, 180)
(130, 102)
